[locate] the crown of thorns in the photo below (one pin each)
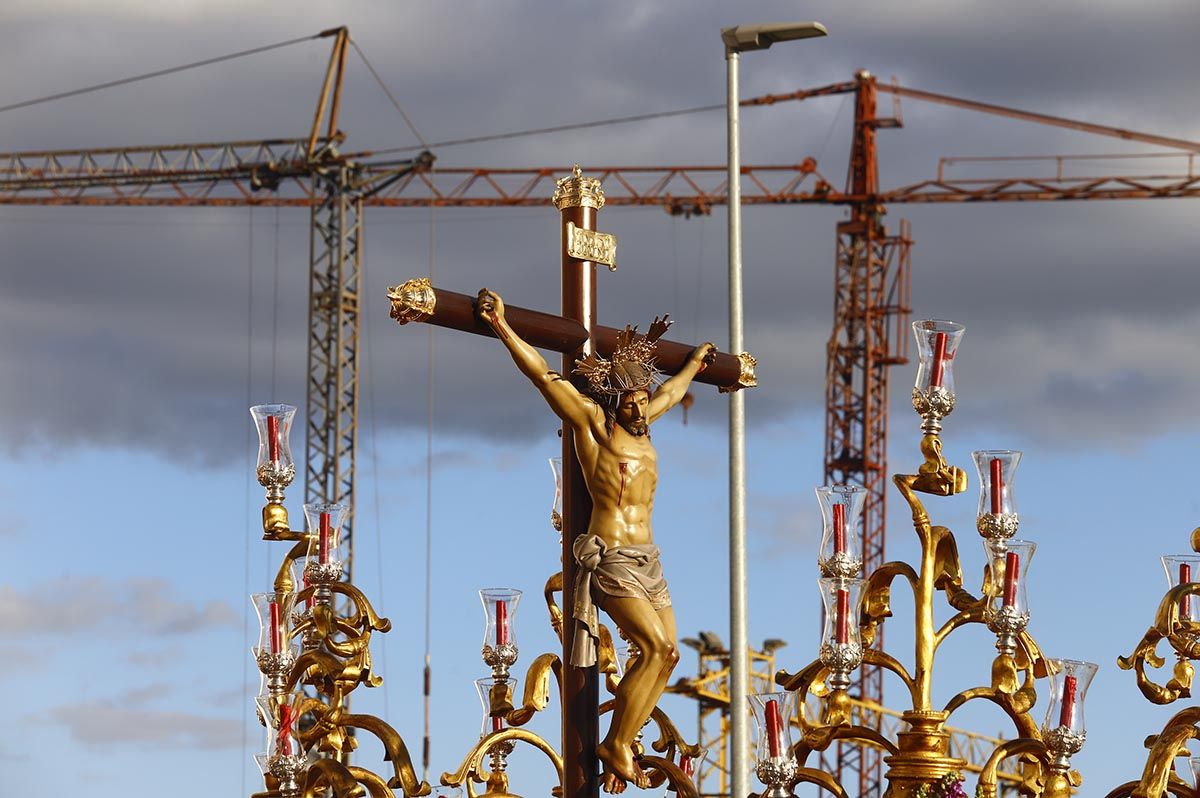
(631, 367)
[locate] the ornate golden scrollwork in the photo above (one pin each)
(472, 771)
(1182, 635)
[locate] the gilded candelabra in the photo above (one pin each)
(311, 656)
(919, 763)
(1178, 622)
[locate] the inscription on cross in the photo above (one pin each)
(607, 394)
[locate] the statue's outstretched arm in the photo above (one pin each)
(671, 392)
(566, 402)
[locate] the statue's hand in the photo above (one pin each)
(705, 354)
(489, 306)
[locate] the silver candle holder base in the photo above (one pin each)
(777, 773)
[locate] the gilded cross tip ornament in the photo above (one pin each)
(747, 375)
(413, 300)
(577, 191)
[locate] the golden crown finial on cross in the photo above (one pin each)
(575, 191)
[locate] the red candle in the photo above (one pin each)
(1067, 716)
(326, 538)
(997, 486)
(284, 745)
(1185, 603)
(497, 724)
(1012, 564)
(273, 439)
(685, 764)
(839, 528)
(843, 616)
(939, 360)
(501, 623)
(276, 631)
(774, 729)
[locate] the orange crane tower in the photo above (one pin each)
(871, 277)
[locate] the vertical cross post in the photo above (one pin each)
(578, 198)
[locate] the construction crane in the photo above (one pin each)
(307, 172)
(871, 271)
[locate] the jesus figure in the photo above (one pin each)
(619, 568)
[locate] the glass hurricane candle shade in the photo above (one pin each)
(556, 518)
(1064, 730)
(499, 628)
(1007, 612)
(841, 537)
(774, 765)
(1183, 569)
(285, 757)
(1194, 764)
(301, 609)
(275, 651)
(937, 344)
(692, 767)
(997, 516)
(503, 690)
(323, 565)
(276, 469)
(841, 641)
(626, 656)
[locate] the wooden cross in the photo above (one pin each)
(575, 334)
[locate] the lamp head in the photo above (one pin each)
(759, 37)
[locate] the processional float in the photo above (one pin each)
(310, 640)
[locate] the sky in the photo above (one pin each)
(137, 338)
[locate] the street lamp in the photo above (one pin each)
(738, 39)
(743, 38)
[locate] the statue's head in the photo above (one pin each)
(632, 412)
(623, 383)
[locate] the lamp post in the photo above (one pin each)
(738, 39)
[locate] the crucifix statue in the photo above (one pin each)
(617, 563)
(607, 394)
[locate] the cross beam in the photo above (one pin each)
(575, 334)
(419, 301)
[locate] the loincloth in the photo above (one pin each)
(620, 572)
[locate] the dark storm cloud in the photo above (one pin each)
(129, 327)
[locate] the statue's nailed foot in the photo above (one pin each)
(619, 768)
(612, 783)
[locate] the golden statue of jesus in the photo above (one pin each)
(619, 567)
